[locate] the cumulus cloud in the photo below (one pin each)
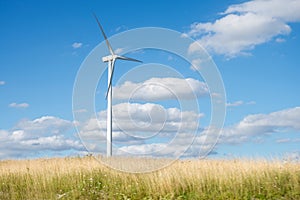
(2, 82)
(247, 130)
(32, 137)
(161, 89)
(143, 129)
(137, 124)
(141, 149)
(143, 120)
(259, 125)
(147, 117)
(76, 45)
(244, 26)
(287, 10)
(43, 126)
(18, 105)
(186, 144)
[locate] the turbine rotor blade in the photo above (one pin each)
(110, 78)
(106, 40)
(126, 58)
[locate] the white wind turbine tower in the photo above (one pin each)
(110, 59)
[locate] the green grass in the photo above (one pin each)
(85, 178)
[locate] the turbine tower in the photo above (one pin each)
(110, 59)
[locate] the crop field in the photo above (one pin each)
(87, 178)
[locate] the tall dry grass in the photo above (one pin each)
(86, 178)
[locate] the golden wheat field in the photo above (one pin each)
(87, 178)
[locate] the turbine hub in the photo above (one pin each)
(109, 58)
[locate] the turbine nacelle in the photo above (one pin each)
(109, 58)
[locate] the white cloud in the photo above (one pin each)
(245, 26)
(235, 104)
(32, 137)
(2, 82)
(184, 145)
(136, 117)
(80, 111)
(235, 34)
(135, 131)
(251, 128)
(51, 143)
(288, 140)
(19, 105)
(137, 124)
(287, 10)
(161, 89)
(285, 140)
(280, 40)
(119, 50)
(143, 120)
(239, 103)
(76, 45)
(196, 64)
(3, 135)
(134, 122)
(141, 149)
(251, 103)
(259, 125)
(43, 126)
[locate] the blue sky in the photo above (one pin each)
(254, 44)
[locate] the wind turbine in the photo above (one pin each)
(110, 59)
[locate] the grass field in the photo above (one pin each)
(86, 178)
